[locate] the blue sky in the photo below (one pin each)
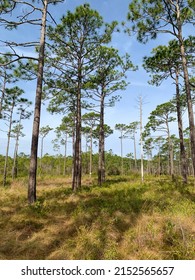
(126, 110)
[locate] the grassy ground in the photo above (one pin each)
(124, 219)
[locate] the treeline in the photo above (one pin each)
(61, 165)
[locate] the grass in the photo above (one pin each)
(123, 219)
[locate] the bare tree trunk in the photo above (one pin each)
(187, 87)
(170, 145)
(76, 182)
(73, 152)
(101, 162)
(15, 163)
(37, 111)
(183, 159)
(190, 107)
(2, 94)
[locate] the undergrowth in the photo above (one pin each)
(123, 219)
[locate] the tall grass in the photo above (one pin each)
(123, 219)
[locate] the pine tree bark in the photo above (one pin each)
(184, 168)
(187, 87)
(76, 182)
(37, 111)
(2, 93)
(101, 162)
(170, 145)
(15, 163)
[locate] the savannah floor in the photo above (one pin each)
(124, 219)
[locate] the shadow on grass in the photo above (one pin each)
(88, 224)
(74, 222)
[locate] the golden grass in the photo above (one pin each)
(124, 219)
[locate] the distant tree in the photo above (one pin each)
(122, 129)
(16, 133)
(24, 113)
(91, 120)
(63, 131)
(130, 156)
(158, 142)
(148, 146)
(159, 120)
(13, 100)
(131, 133)
(43, 133)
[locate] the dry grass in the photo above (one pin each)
(121, 220)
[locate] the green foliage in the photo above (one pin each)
(6, 6)
(107, 131)
(110, 75)
(44, 131)
(151, 17)
(160, 117)
(75, 41)
(166, 61)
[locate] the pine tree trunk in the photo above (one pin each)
(187, 87)
(170, 145)
(183, 159)
(190, 107)
(101, 162)
(76, 182)
(15, 163)
(37, 111)
(73, 152)
(2, 94)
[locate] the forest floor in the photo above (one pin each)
(123, 219)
